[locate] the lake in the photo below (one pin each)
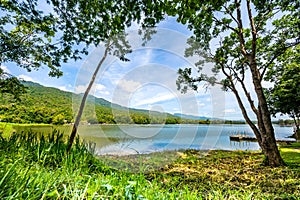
(133, 139)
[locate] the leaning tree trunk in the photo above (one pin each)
(268, 141)
(265, 136)
(296, 134)
(82, 104)
(265, 133)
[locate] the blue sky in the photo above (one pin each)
(148, 81)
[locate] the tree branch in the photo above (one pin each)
(277, 54)
(247, 93)
(231, 14)
(244, 112)
(253, 29)
(241, 105)
(15, 46)
(265, 14)
(226, 25)
(243, 68)
(240, 28)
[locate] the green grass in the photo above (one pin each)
(6, 129)
(36, 166)
(291, 154)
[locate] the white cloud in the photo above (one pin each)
(104, 93)
(80, 88)
(201, 104)
(129, 85)
(25, 78)
(5, 69)
(97, 89)
(229, 111)
(67, 88)
(157, 98)
(101, 90)
(64, 88)
(143, 57)
(175, 110)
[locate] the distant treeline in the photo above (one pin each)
(285, 122)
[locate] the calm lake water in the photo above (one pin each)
(133, 139)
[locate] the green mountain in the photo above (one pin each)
(53, 106)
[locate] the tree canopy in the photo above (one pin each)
(240, 36)
(32, 36)
(284, 96)
(28, 37)
(10, 85)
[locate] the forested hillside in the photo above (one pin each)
(53, 106)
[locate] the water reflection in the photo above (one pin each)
(242, 144)
(133, 139)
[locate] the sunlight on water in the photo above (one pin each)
(138, 139)
(134, 139)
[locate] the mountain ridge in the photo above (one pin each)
(50, 105)
(42, 104)
(186, 116)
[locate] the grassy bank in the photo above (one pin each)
(8, 128)
(37, 167)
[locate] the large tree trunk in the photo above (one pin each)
(265, 134)
(268, 141)
(270, 150)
